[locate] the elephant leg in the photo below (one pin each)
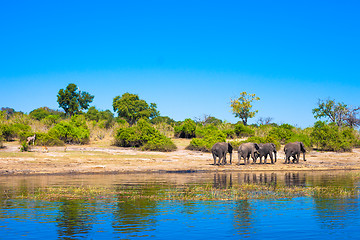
(265, 159)
(214, 156)
(297, 157)
(224, 159)
(271, 158)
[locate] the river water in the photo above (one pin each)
(118, 218)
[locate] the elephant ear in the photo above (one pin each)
(230, 148)
(257, 146)
(302, 147)
(272, 144)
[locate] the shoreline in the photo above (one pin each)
(94, 159)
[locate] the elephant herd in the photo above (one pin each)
(257, 150)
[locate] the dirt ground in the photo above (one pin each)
(100, 157)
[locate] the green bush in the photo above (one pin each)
(74, 131)
(230, 133)
(186, 129)
(330, 137)
(24, 146)
(14, 130)
(282, 133)
(50, 120)
(45, 139)
(104, 118)
(301, 137)
(206, 137)
(243, 131)
(7, 132)
(143, 135)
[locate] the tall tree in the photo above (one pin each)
(132, 108)
(72, 100)
(335, 112)
(241, 106)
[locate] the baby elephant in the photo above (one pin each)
(220, 150)
(266, 149)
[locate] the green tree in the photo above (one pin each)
(241, 107)
(72, 100)
(132, 108)
(336, 112)
(43, 112)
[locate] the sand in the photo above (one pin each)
(104, 158)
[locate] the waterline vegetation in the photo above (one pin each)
(188, 192)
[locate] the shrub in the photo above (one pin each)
(143, 135)
(206, 137)
(7, 132)
(24, 146)
(15, 130)
(45, 139)
(50, 120)
(163, 119)
(43, 112)
(282, 133)
(243, 131)
(186, 129)
(330, 137)
(301, 137)
(74, 131)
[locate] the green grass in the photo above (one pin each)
(203, 192)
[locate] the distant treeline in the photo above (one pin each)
(139, 124)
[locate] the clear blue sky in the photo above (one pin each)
(188, 57)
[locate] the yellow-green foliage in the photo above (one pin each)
(206, 137)
(331, 137)
(143, 135)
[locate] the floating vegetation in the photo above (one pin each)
(202, 192)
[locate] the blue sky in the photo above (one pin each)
(188, 57)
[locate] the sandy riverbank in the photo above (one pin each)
(103, 158)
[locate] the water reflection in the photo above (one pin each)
(126, 217)
(226, 180)
(135, 216)
(74, 218)
(243, 218)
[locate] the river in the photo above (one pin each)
(25, 215)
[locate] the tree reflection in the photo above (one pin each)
(243, 218)
(135, 215)
(336, 212)
(74, 219)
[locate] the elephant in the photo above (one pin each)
(266, 149)
(220, 150)
(293, 149)
(247, 149)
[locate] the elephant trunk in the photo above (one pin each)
(275, 155)
(230, 157)
(304, 156)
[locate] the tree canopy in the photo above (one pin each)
(241, 106)
(338, 113)
(132, 108)
(72, 100)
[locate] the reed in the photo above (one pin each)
(196, 192)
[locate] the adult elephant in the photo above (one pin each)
(246, 150)
(294, 149)
(266, 149)
(220, 150)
